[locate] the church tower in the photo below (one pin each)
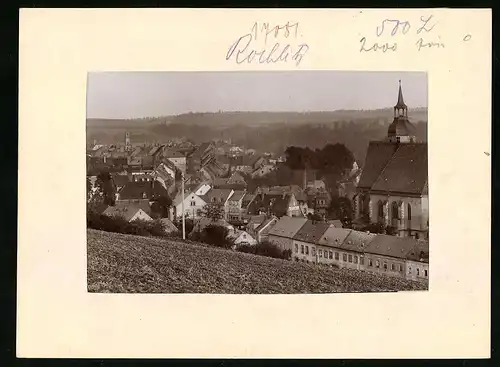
(401, 130)
(128, 146)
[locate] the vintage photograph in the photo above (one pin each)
(257, 182)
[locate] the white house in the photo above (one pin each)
(242, 238)
(193, 204)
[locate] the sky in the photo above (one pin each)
(117, 95)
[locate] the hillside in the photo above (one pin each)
(264, 131)
(119, 263)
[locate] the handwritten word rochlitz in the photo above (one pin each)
(243, 52)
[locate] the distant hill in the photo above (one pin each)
(264, 131)
(120, 263)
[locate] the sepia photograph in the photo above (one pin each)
(271, 182)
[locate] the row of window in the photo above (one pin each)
(304, 249)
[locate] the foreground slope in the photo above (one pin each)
(120, 263)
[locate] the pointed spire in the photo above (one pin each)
(401, 102)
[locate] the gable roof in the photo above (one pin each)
(377, 156)
(135, 190)
(265, 223)
(236, 178)
(334, 236)
(237, 195)
(357, 241)
(168, 226)
(406, 172)
(220, 195)
(311, 231)
(287, 226)
(392, 246)
(257, 219)
(127, 212)
(204, 222)
(120, 180)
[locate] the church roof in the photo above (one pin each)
(406, 171)
(401, 102)
(401, 126)
(378, 155)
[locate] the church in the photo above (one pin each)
(393, 187)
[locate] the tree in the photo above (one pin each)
(107, 186)
(161, 205)
(341, 208)
(214, 211)
(216, 235)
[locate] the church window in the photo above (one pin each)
(380, 209)
(409, 211)
(395, 210)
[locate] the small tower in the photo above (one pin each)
(128, 146)
(401, 130)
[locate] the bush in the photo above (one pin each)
(215, 235)
(120, 225)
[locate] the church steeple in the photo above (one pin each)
(400, 109)
(401, 130)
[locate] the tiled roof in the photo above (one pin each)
(171, 153)
(334, 236)
(236, 178)
(265, 223)
(168, 226)
(406, 172)
(287, 226)
(237, 195)
(127, 212)
(135, 190)
(419, 252)
(357, 241)
(247, 199)
(378, 155)
(220, 195)
(392, 246)
(204, 222)
(335, 223)
(120, 180)
(311, 231)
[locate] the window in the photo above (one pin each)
(409, 211)
(362, 260)
(416, 236)
(313, 251)
(296, 248)
(377, 264)
(193, 203)
(336, 256)
(425, 272)
(344, 257)
(355, 259)
(331, 255)
(350, 258)
(418, 272)
(301, 249)
(380, 209)
(394, 210)
(320, 252)
(370, 262)
(393, 267)
(409, 270)
(385, 266)
(307, 250)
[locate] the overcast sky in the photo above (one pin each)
(140, 94)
